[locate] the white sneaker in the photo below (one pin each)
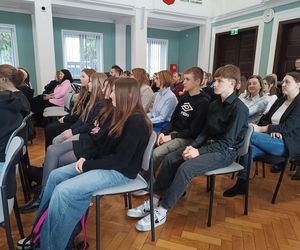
(140, 211)
(21, 245)
(140, 193)
(145, 223)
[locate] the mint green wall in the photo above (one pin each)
(24, 40)
(108, 30)
(173, 43)
(267, 34)
(188, 48)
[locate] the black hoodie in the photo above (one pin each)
(11, 118)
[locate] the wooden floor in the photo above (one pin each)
(267, 226)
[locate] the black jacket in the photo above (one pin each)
(10, 111)
(289, 124)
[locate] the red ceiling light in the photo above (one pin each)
(168, 2)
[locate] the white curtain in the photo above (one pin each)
(157, 54)
(8, 48)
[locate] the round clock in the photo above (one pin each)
(268, 15)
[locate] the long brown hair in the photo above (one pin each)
(260, 81)
(96, 95)
(9, 77)
(84, 92)
(128, 102)
(165, 78)
(141, 76)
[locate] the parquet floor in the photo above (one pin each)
(267, 226)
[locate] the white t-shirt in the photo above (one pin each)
(279, 112)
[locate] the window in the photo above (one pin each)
(8, 45)
(82, 50)
(157, 53)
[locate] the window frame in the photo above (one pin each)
(12, 27)
(77, 32)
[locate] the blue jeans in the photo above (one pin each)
(70, 194)
(262, 144)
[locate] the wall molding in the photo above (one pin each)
(258, 21)
(279, 17)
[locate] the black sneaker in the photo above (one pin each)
(31, 206)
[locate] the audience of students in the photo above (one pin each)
(216, 146)
(254, 98)
(112, 163)
(164, 103)
(278, 131)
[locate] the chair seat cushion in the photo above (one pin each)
(133, 185)
(10, 207)
(233, 167)
(54, 111)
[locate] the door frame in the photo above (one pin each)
(244, 24)
(279, 17)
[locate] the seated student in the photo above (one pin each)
(40, 102)
(177, 86)
(25, 85)
(277, 133)
(10, 109)
(254, 98)
(48, 89)
(55, 128)
(58, 155)
(270, 90)
(146, 92)
(116, 71)
(115, 161)
(87, 117)
(164, 103)
(216, 146)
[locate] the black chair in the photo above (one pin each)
(280, 161)
(8, 185)
(232, 168)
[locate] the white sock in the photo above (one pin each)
(162, 210)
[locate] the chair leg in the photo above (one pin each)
(9, 238)
(211, 199)
(22, 178)
(126, 200)
(232, 176)
(278, 184)
(246, 196)
(208, 184)
(129, 200)
(18, 218)
(264, 170)
(98, 222)
(256, 168)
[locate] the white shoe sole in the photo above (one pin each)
(146, 228)
(21, 246)
(133, 214)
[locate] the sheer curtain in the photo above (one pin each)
(8, 45)
(82, 50)
(157, 54)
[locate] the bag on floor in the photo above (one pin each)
(33, 240)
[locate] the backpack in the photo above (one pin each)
(34, 238)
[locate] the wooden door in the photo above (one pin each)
(238, 50)
(287, 47)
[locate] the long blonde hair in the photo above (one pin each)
(96, 95)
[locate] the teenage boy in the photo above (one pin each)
(187, 120)
(115, 71)
(215, 147)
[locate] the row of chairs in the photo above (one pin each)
(136, 184)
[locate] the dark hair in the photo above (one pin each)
(196, 72)
(117, 68)
(271, 80)
(295, 75)
(127, 73)
(67, 75)
(27, 79)
(229, 71)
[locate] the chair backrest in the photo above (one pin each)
(245, 147)
(148, 151)
(8, 175)
(15, 133)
